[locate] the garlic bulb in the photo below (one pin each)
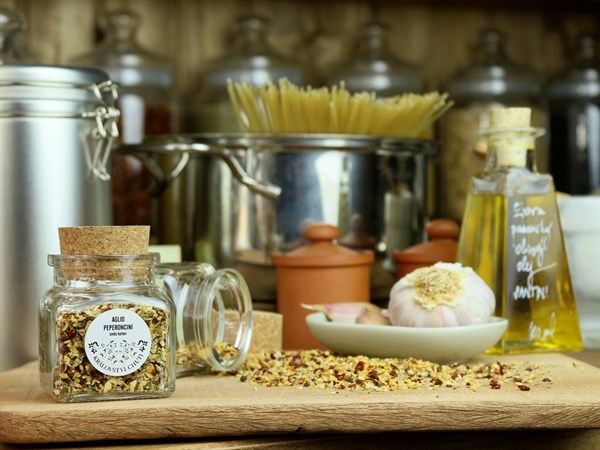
(442, 295)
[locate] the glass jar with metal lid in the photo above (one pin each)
(12, 25)
(147, 102)
(145, 79)
(574, 99)
(251, 59)
(373, 68)
(492, 79)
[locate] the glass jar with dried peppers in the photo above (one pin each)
(107, 331)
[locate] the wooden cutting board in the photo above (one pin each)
(210, 405)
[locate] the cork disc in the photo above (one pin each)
(104, 240)
(510, 117)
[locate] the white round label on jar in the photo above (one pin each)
(117, 342)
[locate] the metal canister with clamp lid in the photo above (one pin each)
(57, 125)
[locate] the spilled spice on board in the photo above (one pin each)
(326, 370)
(187, 356)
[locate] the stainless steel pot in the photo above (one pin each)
(210, 202)
(56, 126)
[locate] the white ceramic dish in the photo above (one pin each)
(441, 345)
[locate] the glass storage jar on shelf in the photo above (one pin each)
(12, 25)
(574, 101)
(147, 104)
(372, 67)
(492, 80)
(107, 331)
(250, 60)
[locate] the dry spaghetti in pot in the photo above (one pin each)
(286, 108)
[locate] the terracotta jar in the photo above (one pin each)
(320, 272)
(441, 247)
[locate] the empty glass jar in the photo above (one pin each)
(213, 316)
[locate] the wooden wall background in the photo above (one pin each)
(437, 34)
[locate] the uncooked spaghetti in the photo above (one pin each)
(287, 108)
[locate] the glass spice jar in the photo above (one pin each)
(107, 331)
(213, 316)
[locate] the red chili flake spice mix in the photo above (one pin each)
(326, 370)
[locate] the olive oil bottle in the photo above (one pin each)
(511, 236)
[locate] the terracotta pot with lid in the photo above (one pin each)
(320, 272)
(441, 247)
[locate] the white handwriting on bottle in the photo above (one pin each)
(530, 242)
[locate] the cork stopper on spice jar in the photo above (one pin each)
(114, 251)
(104, 240)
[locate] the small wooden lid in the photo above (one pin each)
(104, 240)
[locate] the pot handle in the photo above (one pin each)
(163, 180)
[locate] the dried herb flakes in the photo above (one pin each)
(73, 374)
(323, 369)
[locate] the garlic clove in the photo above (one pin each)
(370, 316)
(346, 312)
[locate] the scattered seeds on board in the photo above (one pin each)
(323, 369)
(188, 356)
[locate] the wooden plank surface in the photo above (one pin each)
(211, 406)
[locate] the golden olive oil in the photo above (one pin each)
(511, 236)
(515, 244)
